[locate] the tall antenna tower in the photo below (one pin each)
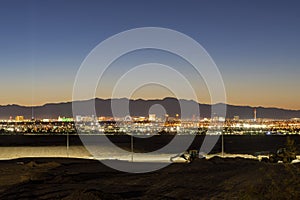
(254, 113)
(32, 113)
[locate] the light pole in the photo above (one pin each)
(222, 144)
(131, 138)
(67, 144)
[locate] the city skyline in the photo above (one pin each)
(254, 44)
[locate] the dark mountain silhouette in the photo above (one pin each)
(141, 107)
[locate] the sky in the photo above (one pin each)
(255, 45)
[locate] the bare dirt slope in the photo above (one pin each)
(217, 178)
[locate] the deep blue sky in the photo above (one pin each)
(254, 43)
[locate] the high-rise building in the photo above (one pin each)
(152, 117)
(19, 118)
(236, 118)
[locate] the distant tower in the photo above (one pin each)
(167, 117)
(32, 113)
(254, 115)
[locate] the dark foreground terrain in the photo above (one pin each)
(217, 178)
(245, 144)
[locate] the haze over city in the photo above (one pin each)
(255, 46)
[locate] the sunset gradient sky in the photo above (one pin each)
(255, 44)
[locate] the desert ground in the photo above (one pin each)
(43, 168)
(215, 178)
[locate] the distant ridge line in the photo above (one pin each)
(140, 107)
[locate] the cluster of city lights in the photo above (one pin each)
(150, 125)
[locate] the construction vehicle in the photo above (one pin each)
(282, 154)
(186, 157)
(285, 154)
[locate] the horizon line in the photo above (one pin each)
(154, 99)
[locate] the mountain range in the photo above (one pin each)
(141, 107)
